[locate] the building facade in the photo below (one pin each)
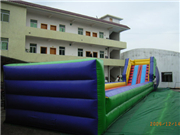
(168, 63)
(36, 33)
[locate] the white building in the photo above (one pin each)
(36, 33)
(168, 63)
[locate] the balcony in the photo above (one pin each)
(70, 37)
(34, 57)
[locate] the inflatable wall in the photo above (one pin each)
(71, 96)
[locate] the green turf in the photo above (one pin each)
(162, 106)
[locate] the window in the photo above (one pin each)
(166, 76)
(101, 54)
(80, 31)
(101, 35)
(94, 34)
(88, 54)
(80, 52)
(88, 33)
(33, 23)
(95, 54)
(52, 50)
(44, 50)
(43, 26)
(61, 50)
(33, 48)
(111, 19)
(5, 15)
(53, 27)
(62, 28)
(4, 43)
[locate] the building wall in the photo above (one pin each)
(14, 29)
(167, 61)
(17, 29)
(69, 28)
(20, 35)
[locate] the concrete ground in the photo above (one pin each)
(11, 129)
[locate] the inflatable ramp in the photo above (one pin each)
(71, 96)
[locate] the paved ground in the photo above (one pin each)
(11, 129)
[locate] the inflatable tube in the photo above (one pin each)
(114, 85)
(62, 122)
(157, 76)
(122, 108)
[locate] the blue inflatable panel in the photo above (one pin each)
(151, 69)
(124, 75)
(76, 71)
(67, 106)
(72, 124)
(70, 89)
(143, 74)
(61, 96)
(135, 75)
(125, 69)
(157, 75)
(116, 91)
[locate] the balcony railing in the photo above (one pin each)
(71, 37)
(36, 57)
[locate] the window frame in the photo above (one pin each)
(96, 54)
(88, 52)
(88, 33)
(51, 49)
(52, 27)
(3, 13)
(80, 31)
(41, 50)
(62, 28)
(101, 34)
(95, 34)
(33, 45)
(167, 78)
(33, 23)
(100, 53)
(44, 24)
(7, 43)
(80, 51)
(62, 48)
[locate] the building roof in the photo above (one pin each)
(32, 5)
(108, 15)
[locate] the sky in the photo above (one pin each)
(153, 24)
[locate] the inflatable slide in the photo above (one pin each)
(71, 96)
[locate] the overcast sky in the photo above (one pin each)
(153, 24)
